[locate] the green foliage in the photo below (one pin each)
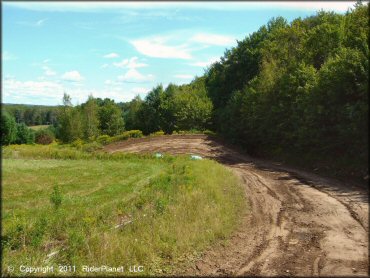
(126, 135)
(44, 136)
(56, 197)
(157, 133)
(91, 147)
(131, 114)
(298, 90)
(25, 135)
(77, 143)
(104, 139)
(32, 114)
(8, 129)
(210, 132)
(110, 119)
(177, 207)
(69, 121)
(177, 107)
(90, 118)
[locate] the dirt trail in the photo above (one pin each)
(297, 224)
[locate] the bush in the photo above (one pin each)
(134, 133)
(104, 139)
(77, 143)
(209, 132)
(91, 147)
(157, 133)
(8, 129)
(56, 197)
(127, 134)
(44, 137)
(25, 135)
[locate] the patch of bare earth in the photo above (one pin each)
(297, 223)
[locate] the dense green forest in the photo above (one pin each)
(296, 91)
(32, 114)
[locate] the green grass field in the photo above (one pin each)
(115, 210)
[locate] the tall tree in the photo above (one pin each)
(8, 129)
(111, 119)
(90, 118)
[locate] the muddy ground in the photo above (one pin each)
(297, 223)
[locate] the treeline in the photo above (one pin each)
(18, 133)
(298, 90)
(32, 114)
(172, 109)
(294, 90)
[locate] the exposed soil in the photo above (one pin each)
(297, 223)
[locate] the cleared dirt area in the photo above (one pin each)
(297, 223)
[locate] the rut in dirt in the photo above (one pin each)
(297, 223)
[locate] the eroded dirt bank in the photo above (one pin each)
(298, 223)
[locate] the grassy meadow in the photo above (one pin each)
(63, 206)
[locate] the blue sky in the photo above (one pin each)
(121, 49)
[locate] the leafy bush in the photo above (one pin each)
(44, 137)
(126, 135)
(77, 143)
(8, 129)
(191, 131)
(134, 133)
(56, 197)
(91, 147)
(209, 132)
(25, 135)
(104, 139)
(157, 133)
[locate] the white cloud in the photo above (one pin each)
(120, 7)
(73, 76)
(37, 23)
(130, 63)
(48, 71)
(40, 22)
(213, 39)
(51, 92)
(32, 89)
(104, 66)
(132, 75)
(204, 64)
(158, 47)
(184, 76)
(7, 56)
(140, 90)
(179, 44)
(111, 55)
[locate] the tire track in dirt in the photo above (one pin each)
(297, 224)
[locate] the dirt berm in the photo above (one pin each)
(297, 223)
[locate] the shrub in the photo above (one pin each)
(91, 147)
(104, 139)
(44, 137)
(25, 135)
(56, 197)
(157, 133)
(209, 132)
(135, 133)
(77, 143)
(8, 129)
(127, 134)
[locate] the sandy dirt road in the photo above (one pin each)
(297, 223)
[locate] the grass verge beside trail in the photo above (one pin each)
(115, 210)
